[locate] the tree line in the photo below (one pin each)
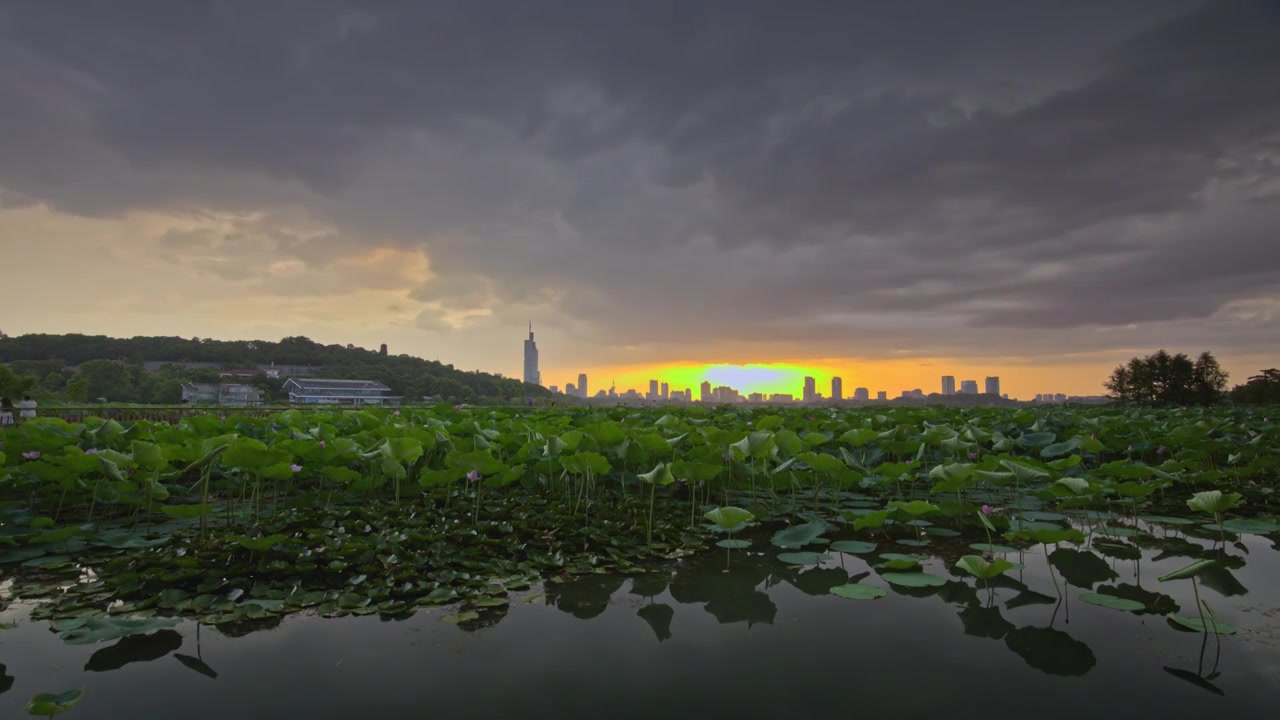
(83, 368)
(1175, 379)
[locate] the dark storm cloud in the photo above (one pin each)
(672, 171)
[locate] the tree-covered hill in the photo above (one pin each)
(83, 367)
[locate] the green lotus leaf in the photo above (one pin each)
(803, 558)
(858, 591)
(856, 547)
(915, 579)
(1187, 571)
(1214, 502)
(798, 536)
(982, 568)
(1209, 625)
(729, 516)
(48, 705)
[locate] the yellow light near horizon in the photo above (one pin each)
(746, 379)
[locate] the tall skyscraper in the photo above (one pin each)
(666, 391)
(653, 390)
(810, 389)
(882, 395)
(948, 385)
(837, 388)
(531, 374)
(704, 393)
(861, 394)
(582, 385)
(968, 387)
(569, 389)
(993, 386)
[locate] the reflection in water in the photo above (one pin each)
(197, 663)
(659, 617)
(585, 596)
(134, 649)
(1006, 623)
(1081, 568)
(1051, 651)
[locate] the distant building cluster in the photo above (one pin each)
(661, 392)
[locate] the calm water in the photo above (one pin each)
(759, 640)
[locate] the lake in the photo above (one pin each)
(755, 639)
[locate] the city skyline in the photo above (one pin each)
(658, 388)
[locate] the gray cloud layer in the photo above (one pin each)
(669, 173)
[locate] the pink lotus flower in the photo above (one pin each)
(1160, 450)
(457, 407)
(32, 455)
(1130, 449)
(987, 509)
(397, 413)
(321, 444)
(91, 451)
(1093, 436)
(973, 456)
(224, 418)
(473, 476)
(296, 468)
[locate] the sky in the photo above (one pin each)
(888, 191)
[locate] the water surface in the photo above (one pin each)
(754, 639)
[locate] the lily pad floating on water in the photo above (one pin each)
(1113, 602)
(1254, 526)
(1043, 515)
(1193, 623)
(855, 547)
(734, 544)
(1167, 520)
(802, 558)
(798, 536)
(916, 579)
(941, 532)
(48, 705)
(459, 618)
(95, 630)
(858, 591)
(913, 543)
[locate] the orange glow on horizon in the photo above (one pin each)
(1023, 381)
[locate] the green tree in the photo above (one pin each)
(106, 379)
(14, 386)
(1261, 389)
(1164, 379)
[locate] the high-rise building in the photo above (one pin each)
(582, 385)
(810, 389)
(948, 384)
(782, 398)
(555, 389)
(882, 395)
(755, 398)
(666, 391)
(653, 390)
(569, 389)
(968, 387)
(837, 388)
(688, 395)
(861, 394)
(704, 393)
(531, 374)
(993, 386)
(1059, 397)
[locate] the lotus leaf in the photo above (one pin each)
(858, 591)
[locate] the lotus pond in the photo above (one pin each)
(905, 561)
